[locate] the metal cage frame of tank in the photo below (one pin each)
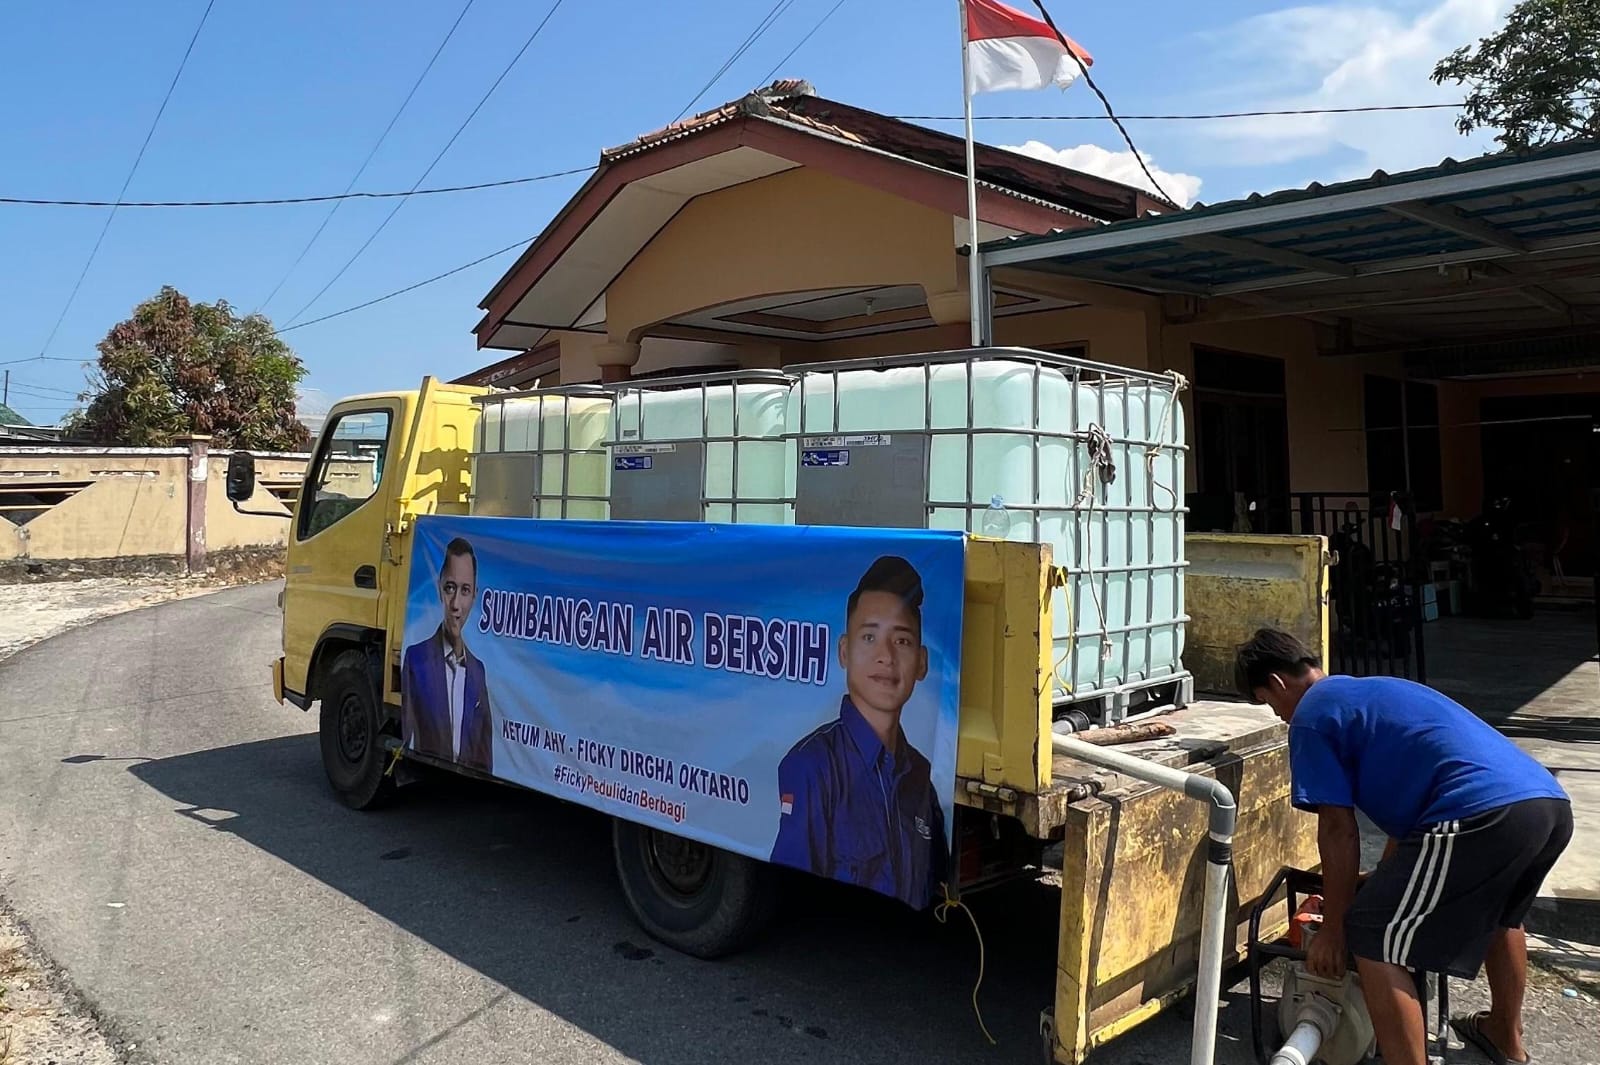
(703, 382)
(1109, 697)
(566, 393)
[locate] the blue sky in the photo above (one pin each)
(287, 99)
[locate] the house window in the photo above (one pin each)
(1242, 438)
(1401, 419)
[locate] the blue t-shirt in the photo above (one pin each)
(1404, 755)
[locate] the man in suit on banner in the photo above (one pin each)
(444, 694)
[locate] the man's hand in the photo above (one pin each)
(1326, 958)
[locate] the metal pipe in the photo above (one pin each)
(1219, 862)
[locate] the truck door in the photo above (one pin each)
(432, 475)
(335, 547)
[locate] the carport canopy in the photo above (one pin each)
(1465, 268)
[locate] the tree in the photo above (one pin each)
(1537, 79)
(178, 367)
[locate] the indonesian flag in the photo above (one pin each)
(1009, 50)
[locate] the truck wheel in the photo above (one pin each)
(694, 898)
(352, 742)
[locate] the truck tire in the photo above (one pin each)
(697, 899)
(352, 739)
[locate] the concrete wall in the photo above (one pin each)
(102, 504)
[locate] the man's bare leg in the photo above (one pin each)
(1507, 966)
(1391, 996)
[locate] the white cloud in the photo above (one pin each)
(1343, 55)
(1118, 166)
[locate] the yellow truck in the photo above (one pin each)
(1136, 856)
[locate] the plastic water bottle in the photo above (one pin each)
(996, 519)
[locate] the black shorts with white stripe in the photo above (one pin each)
(1434, 904)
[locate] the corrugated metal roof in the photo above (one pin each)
(1318, 190)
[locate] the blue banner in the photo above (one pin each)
(786, 693)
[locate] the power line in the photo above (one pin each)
(773, 14)
(506, 182)
(324, 198)
(137, 159)
(1194, 117)
(41, 391)
(1110, 113)
(776, 66)
(42, 358)
(362, 169)
(537, 30)
(402, 291)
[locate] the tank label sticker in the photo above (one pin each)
(781, 692)
(852, 440)
(825, 457)
(644, 449)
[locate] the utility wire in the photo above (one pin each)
(41, 391)
(1110, 113)
(776, 12)
(325, 198)
(767, 80)
(402, 291)
(41, 358)
(505, 182)
(134, 169)
(448, 145)
(1174, 118)
(368, 160)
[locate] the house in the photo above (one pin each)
(1428, 338)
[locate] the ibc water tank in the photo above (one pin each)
(1011, 444)
(543, 454)
(706, 448)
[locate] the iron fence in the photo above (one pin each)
(1376, 580)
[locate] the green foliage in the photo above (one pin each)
(1537, 79)
(178, 367)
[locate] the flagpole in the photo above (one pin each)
(974, 267)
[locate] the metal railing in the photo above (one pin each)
(1376, 581)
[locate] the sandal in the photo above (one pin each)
(1470, 1029)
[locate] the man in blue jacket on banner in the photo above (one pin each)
(444, 694)
(857, 800)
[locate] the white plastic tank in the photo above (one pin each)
(1010, 445)
(565, 435)
(735, 421)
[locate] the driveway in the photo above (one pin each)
(166, 832)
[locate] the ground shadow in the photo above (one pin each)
(519, 886)
(1532, 670)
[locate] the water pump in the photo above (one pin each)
(1320, 1022)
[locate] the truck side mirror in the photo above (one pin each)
(241, 476)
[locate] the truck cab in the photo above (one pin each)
(381, 461)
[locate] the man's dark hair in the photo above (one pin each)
(1270, 651)
(455, 549)
(892, 574)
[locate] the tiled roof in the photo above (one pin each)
(11, 417)
(795, 103)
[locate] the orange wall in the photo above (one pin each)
(797, 231)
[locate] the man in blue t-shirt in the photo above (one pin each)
(1474, 826)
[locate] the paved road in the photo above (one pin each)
(166, 830)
